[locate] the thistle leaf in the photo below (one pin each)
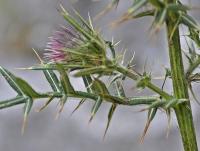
(93, 70)
(115, 78)
(144, 14)
(12, 102)
(178, 7)
(85, 23)
(99, 87)
(53, 80)
(156, 3)
(18, 84)
(88, 82)
(27, 109)
(95, 108)
(151, 114)
(26, 88)
(74, 23)
(65, 82)
(120, 89)
(194, 35)
(190, 22)
(110, 45)
(11, 79)
(110, 115)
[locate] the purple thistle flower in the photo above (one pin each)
(65, 37)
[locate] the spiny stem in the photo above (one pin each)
(139, 100)
(129, 101)
(149, 85)
(183, 111)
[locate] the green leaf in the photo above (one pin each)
(12, 102)
(85, 23)
(54, 66)
(74, 23)
(88, 35)
(115, 78)
(95, 108)
(156, 3)
(93, 55)
(110, 45)
(18, 84)
(93, 70)
(88, 82)
(178, 7)
(26, 88)
(144, 14)
(53, 80)
(151, 114)
(120, 89)
(110, 115)
(194, 35)
(27, 109)
(11, 79)
(167, 74)
(28, 106)
(65, 82)
(98, 87)
(189, 22)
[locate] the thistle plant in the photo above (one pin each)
(78, 49)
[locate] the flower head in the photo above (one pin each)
(64, 38)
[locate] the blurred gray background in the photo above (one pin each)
(26, 24)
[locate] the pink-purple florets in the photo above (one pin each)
(64, 38)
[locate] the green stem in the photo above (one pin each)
(145, 100)
(149, 85)
(183, 111)
(140, 100)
